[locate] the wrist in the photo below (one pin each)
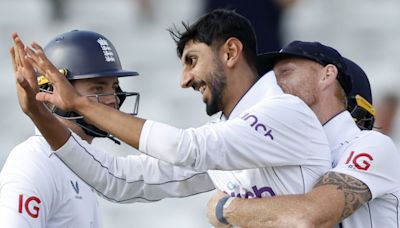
(222, 204)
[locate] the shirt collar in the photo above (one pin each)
(264, 88)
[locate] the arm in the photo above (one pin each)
(271, 133)
(335, 197)
(53, 130)
(14, 213)
(26, 190)
(132, 178)
(267, 136)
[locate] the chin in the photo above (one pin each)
(211, 109)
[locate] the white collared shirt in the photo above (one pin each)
(38, 190)
(274, 132)
(372, 158)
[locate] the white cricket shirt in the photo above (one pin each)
(287, 139)
(372, 158)
(274, 132)
(37, 190)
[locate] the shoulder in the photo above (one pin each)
(290, 111)
(29, 160)
(376, 141)
(32, 148)
(290, 106)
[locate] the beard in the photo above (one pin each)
(217, 84)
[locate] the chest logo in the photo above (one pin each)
(75, 186)
(256, 193)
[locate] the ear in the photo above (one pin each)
(330, 73)
(231, 51)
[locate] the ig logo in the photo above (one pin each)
(360, 161)
(30, 205)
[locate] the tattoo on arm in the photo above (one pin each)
(356, 193)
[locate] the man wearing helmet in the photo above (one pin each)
(36, 188)
(363, 187)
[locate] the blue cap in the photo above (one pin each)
(360, 81)
(314, 51)
(359, 99)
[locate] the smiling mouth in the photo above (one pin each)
(199, 86)
(202, 89)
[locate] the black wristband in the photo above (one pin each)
(219, 210)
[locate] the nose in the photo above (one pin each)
(186, 80)
(110, 100)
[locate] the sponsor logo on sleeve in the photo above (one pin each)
(257, 125)
(360, 161)
(29, 205)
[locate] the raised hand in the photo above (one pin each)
(64, 95)
(26, 81)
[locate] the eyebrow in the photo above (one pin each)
(188, 53)
(103, 83)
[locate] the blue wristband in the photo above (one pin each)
(219, 210)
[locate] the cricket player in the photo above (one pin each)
(267, 143)
(36, 188)
(363, 187)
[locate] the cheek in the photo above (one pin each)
(288, 86)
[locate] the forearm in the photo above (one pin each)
(125, 127)
(314, 209)
(286, 211)
(55, 132)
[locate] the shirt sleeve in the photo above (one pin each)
(25, 192)
(281, 131)
(374, 160)
(135, 178)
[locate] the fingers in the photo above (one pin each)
(16, 56)
(19, 50)
(12, 54)
(30, 74)
(33, 60)
(39, 60)
(44, 63)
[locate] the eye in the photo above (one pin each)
(115, 87)
(190, 60)
(284, 71)
(98, 89)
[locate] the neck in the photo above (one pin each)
(240, 80)
(77, 130)
(326, 109)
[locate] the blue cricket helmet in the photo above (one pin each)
(85, 54)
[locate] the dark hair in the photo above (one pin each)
(216, 27)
